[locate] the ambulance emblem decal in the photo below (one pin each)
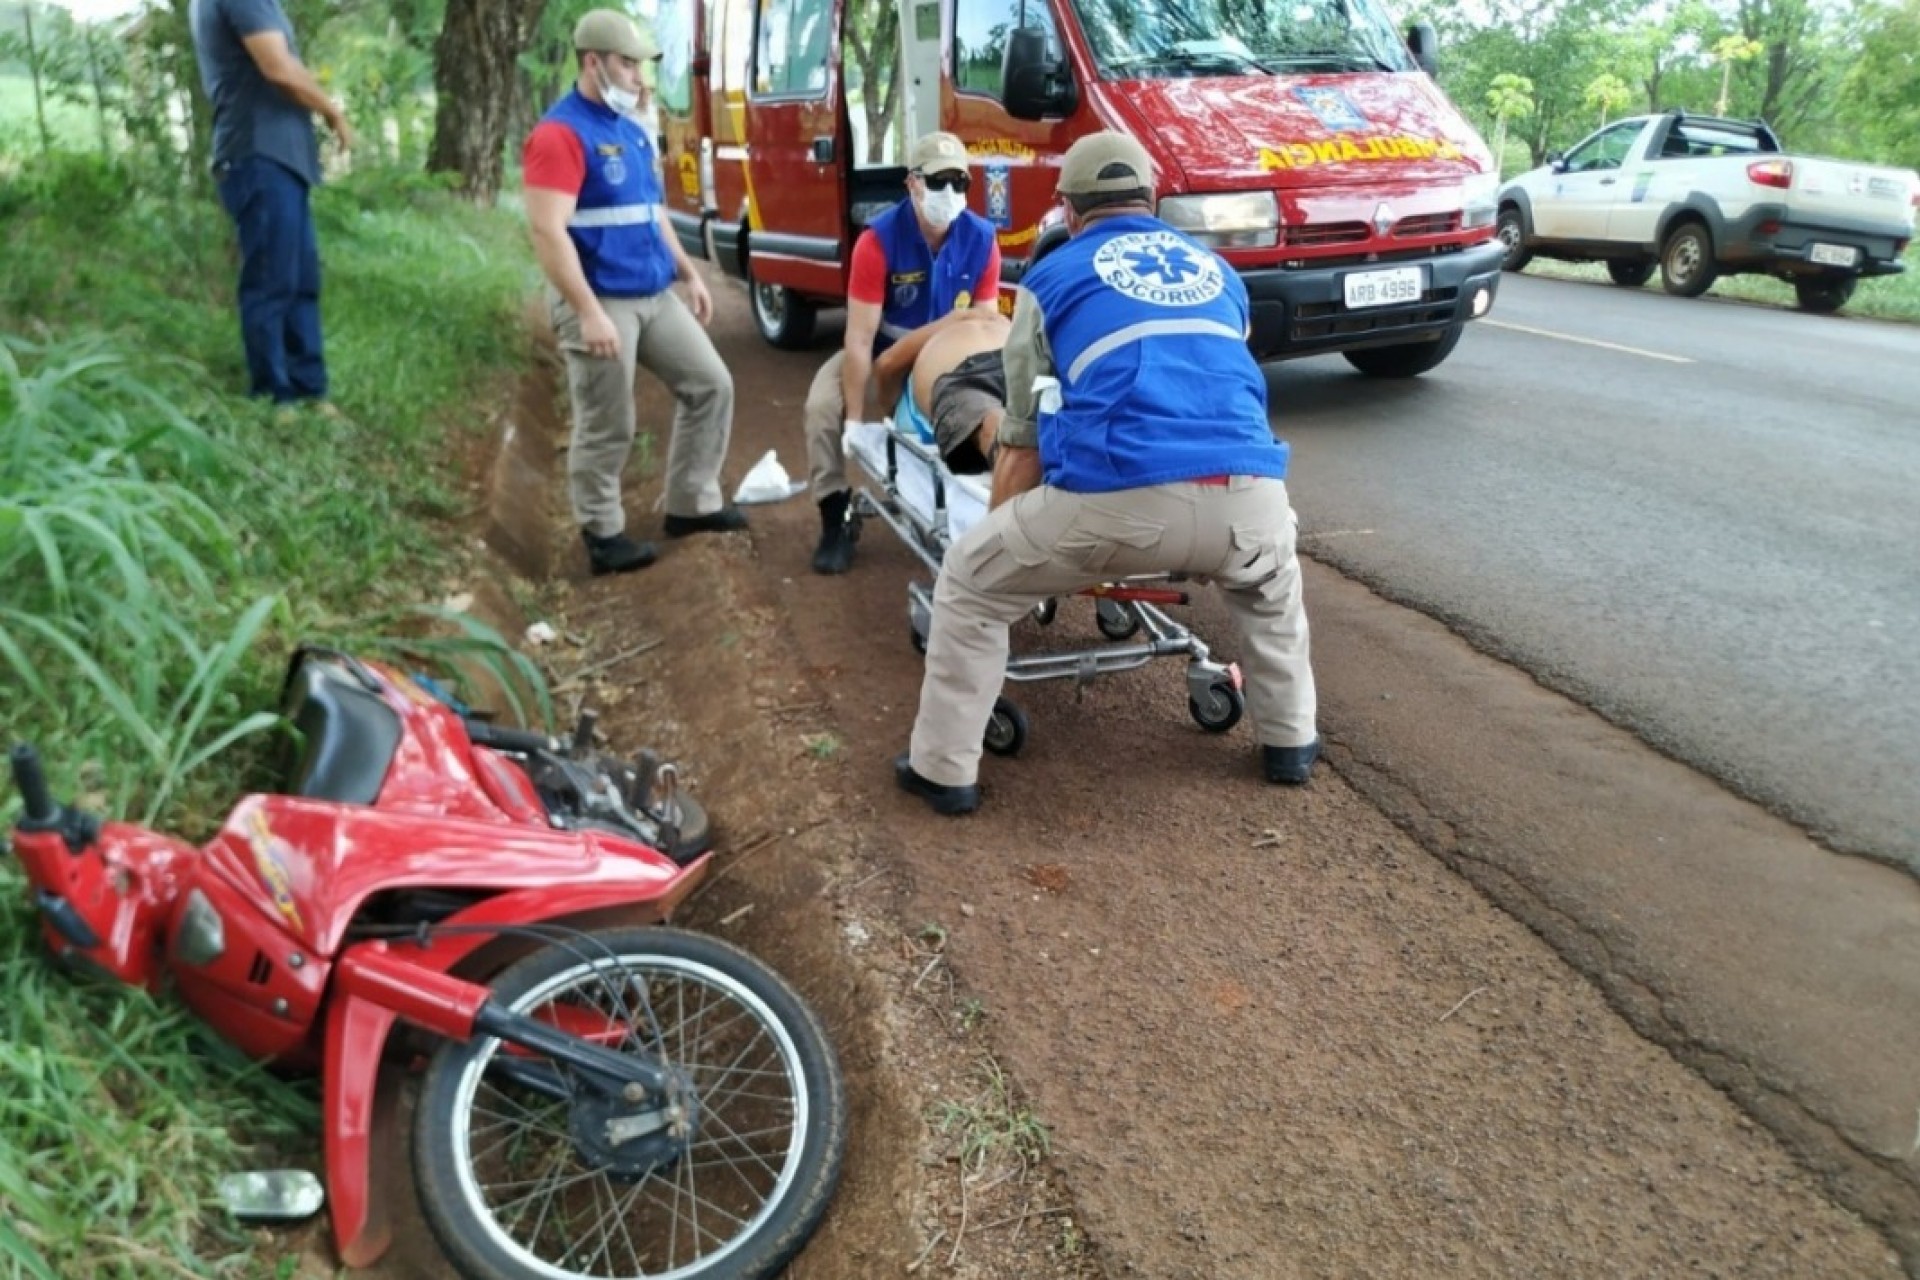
(999, 203)
(1161, 268)
(1333, 108)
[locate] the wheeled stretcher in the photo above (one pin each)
(930, 507)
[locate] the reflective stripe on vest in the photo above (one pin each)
(620, 215)
(1149, 329)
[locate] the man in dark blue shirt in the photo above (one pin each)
(266, 160)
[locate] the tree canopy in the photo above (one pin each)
(451, 86)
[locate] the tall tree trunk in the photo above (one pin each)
(477, 84)
(33, 69)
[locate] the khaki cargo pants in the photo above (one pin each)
(659, 334)
(825, 420)
(1048, 542)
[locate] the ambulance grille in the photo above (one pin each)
(1428, 224)
(1310, 237)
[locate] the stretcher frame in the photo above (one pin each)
(1123, 609)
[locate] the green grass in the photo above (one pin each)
(164, 542)
(1880, 298)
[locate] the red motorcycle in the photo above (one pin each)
(602, 1096)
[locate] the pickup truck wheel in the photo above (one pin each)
(1823, 295)
(1686, 262)
(1513, 239)
(784, 318)
(1407, 360)
(1629, 273)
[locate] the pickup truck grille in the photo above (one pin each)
(1428, 224)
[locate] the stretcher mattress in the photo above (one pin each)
(913, 481)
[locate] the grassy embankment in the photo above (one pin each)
(163, 544)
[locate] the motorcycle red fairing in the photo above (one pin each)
(257, 928)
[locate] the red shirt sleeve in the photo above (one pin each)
(553, 159)
(868, 281)
(987, 287)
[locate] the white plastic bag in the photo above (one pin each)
(766, 482)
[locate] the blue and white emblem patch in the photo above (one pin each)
(1159, 267)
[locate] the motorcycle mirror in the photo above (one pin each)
(272, 1195)
(583, 733)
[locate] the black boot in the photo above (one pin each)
(835, 553)
(617, 554)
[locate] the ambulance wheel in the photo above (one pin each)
(1006, 729)
(784, 318)
(1115, 620)
(1220, 709)
(1405, 359)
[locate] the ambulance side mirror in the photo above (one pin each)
(1424, 45)
(1033, 85)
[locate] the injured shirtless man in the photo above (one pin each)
(960, 388)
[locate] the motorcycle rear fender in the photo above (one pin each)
(358, 1102)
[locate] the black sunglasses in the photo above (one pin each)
(946, 181)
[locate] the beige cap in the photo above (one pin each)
(1105, 162)
(938, 153)
(610, 31)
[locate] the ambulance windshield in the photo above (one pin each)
(1158, 39)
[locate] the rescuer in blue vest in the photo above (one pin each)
(923, 265)
(1135, 442)
(610, 256)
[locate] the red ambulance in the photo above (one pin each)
(1305, 140)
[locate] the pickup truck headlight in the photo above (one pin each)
(1479, 200)
(1240, 220)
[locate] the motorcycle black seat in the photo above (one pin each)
(346, 735)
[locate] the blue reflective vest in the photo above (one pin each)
(616, 221)
(1147, 329)
(922, 287)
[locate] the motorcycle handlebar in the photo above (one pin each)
(486, 734)
(32, 781)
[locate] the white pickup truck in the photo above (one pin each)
(1704, 197)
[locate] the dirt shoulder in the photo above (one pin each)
(1142, 1015)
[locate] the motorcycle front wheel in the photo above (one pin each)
(518, 1179)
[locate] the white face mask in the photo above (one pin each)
(622, 101)
(940, 208)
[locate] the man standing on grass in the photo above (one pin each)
(266, 159)
(601, 233)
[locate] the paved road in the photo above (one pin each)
(1699, 518)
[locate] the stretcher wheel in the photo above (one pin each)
(1046, 611)
(1116, 620)
(1220, 709)
(1006, 729)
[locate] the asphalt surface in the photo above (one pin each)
(1630, 522)
(1697, 517)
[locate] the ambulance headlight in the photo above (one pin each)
(1479, 200)
(1236, 220)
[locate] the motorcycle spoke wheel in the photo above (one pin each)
(518, 1176)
